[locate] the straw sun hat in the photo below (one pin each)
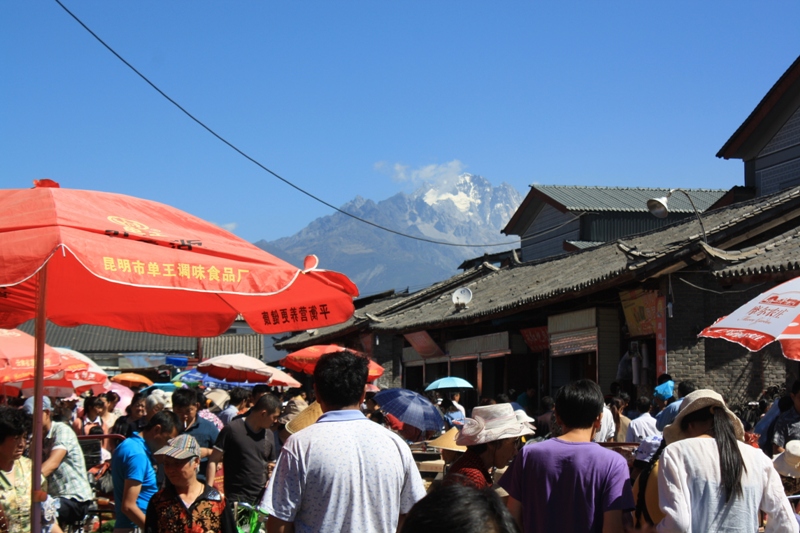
(447, 441)
(305, 418)
(695, 401)
(490, 423)
(788, 463)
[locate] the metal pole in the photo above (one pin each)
(38, 394)
(696, 212)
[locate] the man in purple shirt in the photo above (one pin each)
(570, 483)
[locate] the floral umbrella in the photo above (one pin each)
(87, 257)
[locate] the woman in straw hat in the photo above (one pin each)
(710, 480)
(450, 451)
(491, 437)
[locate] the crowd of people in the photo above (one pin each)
(330, 459)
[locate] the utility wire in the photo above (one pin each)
(257, 163)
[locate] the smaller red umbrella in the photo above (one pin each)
(131, 379)
(17, 361)
(305, 360)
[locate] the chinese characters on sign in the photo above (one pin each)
(639, 308)
(171, 270)
(140, 231)
(536, 338)
(295, 315)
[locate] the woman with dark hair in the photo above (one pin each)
(453, 417)
(133, 420)
(94, 407)
(16, 477)
(709, 480)
(459, 509)
(490, 436)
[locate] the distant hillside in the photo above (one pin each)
(470, 212)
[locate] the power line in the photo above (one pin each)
(256, 162)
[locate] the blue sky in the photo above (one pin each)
(337, 96)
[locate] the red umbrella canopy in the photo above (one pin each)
(17, 359)
(305, 360)
(771, 316)
(133, 264)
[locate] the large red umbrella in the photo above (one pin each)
(85, 257)
(771, 316)
(305, 360)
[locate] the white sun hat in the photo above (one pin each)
(788, 463)
(490, 423)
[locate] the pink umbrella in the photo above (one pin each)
(236, 367)
(125, 395)
(772, 316)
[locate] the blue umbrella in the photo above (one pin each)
(166, 387)
(195, 376)
(410, 408)
(450, 382)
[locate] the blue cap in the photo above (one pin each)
(665, 390)
(46, 405)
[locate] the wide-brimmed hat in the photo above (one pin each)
(307, 416)
(291, 410)
(181, 447)
(490, 423)
(695, 401)
(447, 441)
(788, 463)
(523, 417)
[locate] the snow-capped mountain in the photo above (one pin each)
(469, 211)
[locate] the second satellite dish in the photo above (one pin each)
(461, 297)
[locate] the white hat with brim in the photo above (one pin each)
(523, 417)
(788, 463)
(490, 423)
(700, 399)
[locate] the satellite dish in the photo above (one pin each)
(462, 297)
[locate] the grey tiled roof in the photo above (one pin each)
(251, 344)
(781, 254)
(625, 199)
(503, 291)
(99, 339)
(582, 245)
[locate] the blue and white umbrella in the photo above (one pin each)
(194, 376)
(450, 382)
(410, 408)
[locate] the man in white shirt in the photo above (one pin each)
(607, 429)
(344, 472)
(644, 425)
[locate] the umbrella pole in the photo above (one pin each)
(38, 393)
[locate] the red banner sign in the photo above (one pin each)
(537, 339)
